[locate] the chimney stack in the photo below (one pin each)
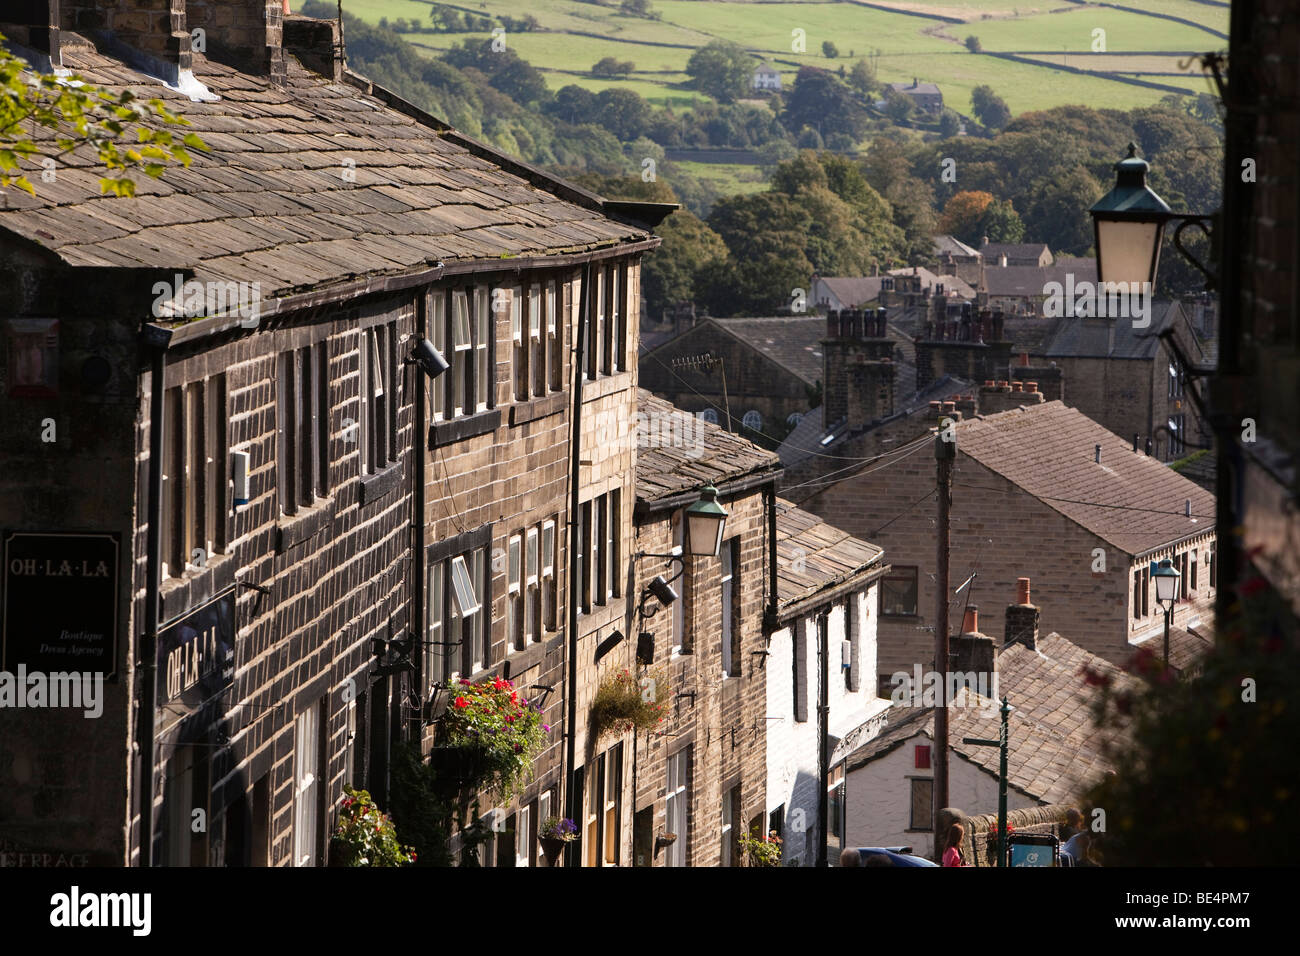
(155, 28)
(1022, 619)
(971, 651)
(35, 25)
(245, 34)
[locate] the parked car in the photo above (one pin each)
(895, 855)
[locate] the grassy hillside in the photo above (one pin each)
(904, 39)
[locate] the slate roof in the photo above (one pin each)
(1130, 500)
(708, 453)
(853, 291)
(946, 243)
(992, 251)
(1076, 337)
(1029, 281)
(269, 203)
(951, 284)
(791, 341)
(1188, 645)
(1055, 750)
(813, 555)
(906, 87)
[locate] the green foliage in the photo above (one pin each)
(761, 851)
(121, 129)
(1207, 769)
(989, 108)
(830, 50)
(823, 101)
(500, 728)
(721, 69)
(973, 44)
(899, 107)
(423, 805)
(949, 123)
(610, 66)
(623, 702)
(638, 8)
(862, 78)
(365, 836)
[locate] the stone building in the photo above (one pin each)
(701, 781)
(215, 401)
(1037, 488)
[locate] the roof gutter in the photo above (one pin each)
(831, 593)
(371, 285)
(736, 486)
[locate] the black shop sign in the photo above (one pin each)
(196, 657)
(60, 602)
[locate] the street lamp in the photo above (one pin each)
(1166, 593)
(705, 522)
(1129, 227)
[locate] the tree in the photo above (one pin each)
(963, 214)
(862, 77)
(973, 44)
(573, 104)
(899, 107)
(989, 108)
(949, 124)
(622, 112)
(638, 8)
(722, 70)
(821, 100)
(829, 50)
(609, 66)
(1001, 223)
(69, 114)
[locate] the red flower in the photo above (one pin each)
(461, 702)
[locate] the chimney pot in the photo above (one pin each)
(970, 620)
(1017, 386)
(936, 408)
(989, 383)
(1022, 590)
(950, 407)
(1031, 386)
(1024, 359)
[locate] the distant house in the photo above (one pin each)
(925, 95)
(772, 367)
(897, 289)
(1015, 253)
(1021, 289)
(889, 784)
(766, 77)
(1127, 379)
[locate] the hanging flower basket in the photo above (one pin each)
(553, 834)
(489, 738)
(365, 836)
(626, 702)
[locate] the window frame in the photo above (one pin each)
(902, 571)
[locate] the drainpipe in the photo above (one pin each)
(156, 339)
(420, 448)
(770, 622)
(571, 645)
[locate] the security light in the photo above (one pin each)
(662, 590)
(428, 358)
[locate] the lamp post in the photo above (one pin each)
(1166, 593)
(1129, 227)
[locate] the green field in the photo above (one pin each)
(729, 179)
(575, 35)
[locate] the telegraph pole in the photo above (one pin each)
(823, 735)
(945, 452)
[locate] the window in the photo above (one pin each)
(437, 323)
(519, 341)
(1213, 567)
(835, 807)
(302, 410)
(898, 593)
(378, 397)
(600, 550)
(514, 597)
(466, 327)
(1137, 594)
(555, 367)
(185, 789)
(1177, 436)
(532, 602)
(523, 837)
(620, 310)
(677, 806)
(921, 757)
(730, 578)
(1192, 557)
(1184, 574)
(482, 336)
(195, 502)
(681, 641)
(550, 593)
(612, 776)
(850, 666)
(1176, 381)
(730, 813)
(536, 340)
(922, 804)
(708, 415)
(458, 592)
(800, 658)
(306, 792)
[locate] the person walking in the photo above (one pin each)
(952, 853)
